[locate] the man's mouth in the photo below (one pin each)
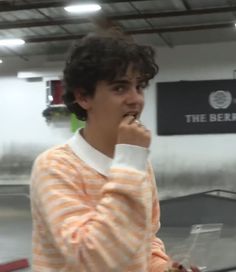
(135, 114)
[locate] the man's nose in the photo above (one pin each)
(134, 96)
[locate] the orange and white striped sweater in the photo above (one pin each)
(94, 214)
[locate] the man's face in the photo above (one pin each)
(114, 100)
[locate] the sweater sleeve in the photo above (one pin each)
(104, 238)
(159, 259)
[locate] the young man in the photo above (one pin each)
(94, 199)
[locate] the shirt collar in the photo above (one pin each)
(94, 158)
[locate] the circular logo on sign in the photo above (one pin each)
(220, 99)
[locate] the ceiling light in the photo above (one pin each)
(83, 8)
(0, 61)
(11, 42)
(235, 25)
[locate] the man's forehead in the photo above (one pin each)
(130, 75)
(132, 72)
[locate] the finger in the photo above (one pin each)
(138, 123)
(175, 265)
(179, 266)
(195, 268)
(128, 119)
(182, 268)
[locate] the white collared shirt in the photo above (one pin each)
(128, 156)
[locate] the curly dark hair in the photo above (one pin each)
(97, 58)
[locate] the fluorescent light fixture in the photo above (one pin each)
(11, 42)
(27, 74)
(50, 73)
(235, 25)
(1, 61)
(83, 8)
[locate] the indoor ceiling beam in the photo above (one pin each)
(11, 6)
(182, 28)
(15, 53)
(54, 38)
(174, 13)
(135, 32)
(61, 21)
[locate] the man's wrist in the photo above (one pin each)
(130, 156)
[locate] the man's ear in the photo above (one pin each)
(82, 99)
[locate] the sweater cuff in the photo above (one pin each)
(130, 156)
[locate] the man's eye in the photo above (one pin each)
(119, 88)
(142, 86)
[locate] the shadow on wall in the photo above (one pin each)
(175, 175)
(16, 162)
(194, 163)
(189, 181)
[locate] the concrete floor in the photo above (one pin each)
(15, 237)
(15, 228)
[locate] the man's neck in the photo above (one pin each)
(100, 141)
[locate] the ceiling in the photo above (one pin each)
(49, 30)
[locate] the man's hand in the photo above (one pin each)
(132, 132)
(177, 267)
